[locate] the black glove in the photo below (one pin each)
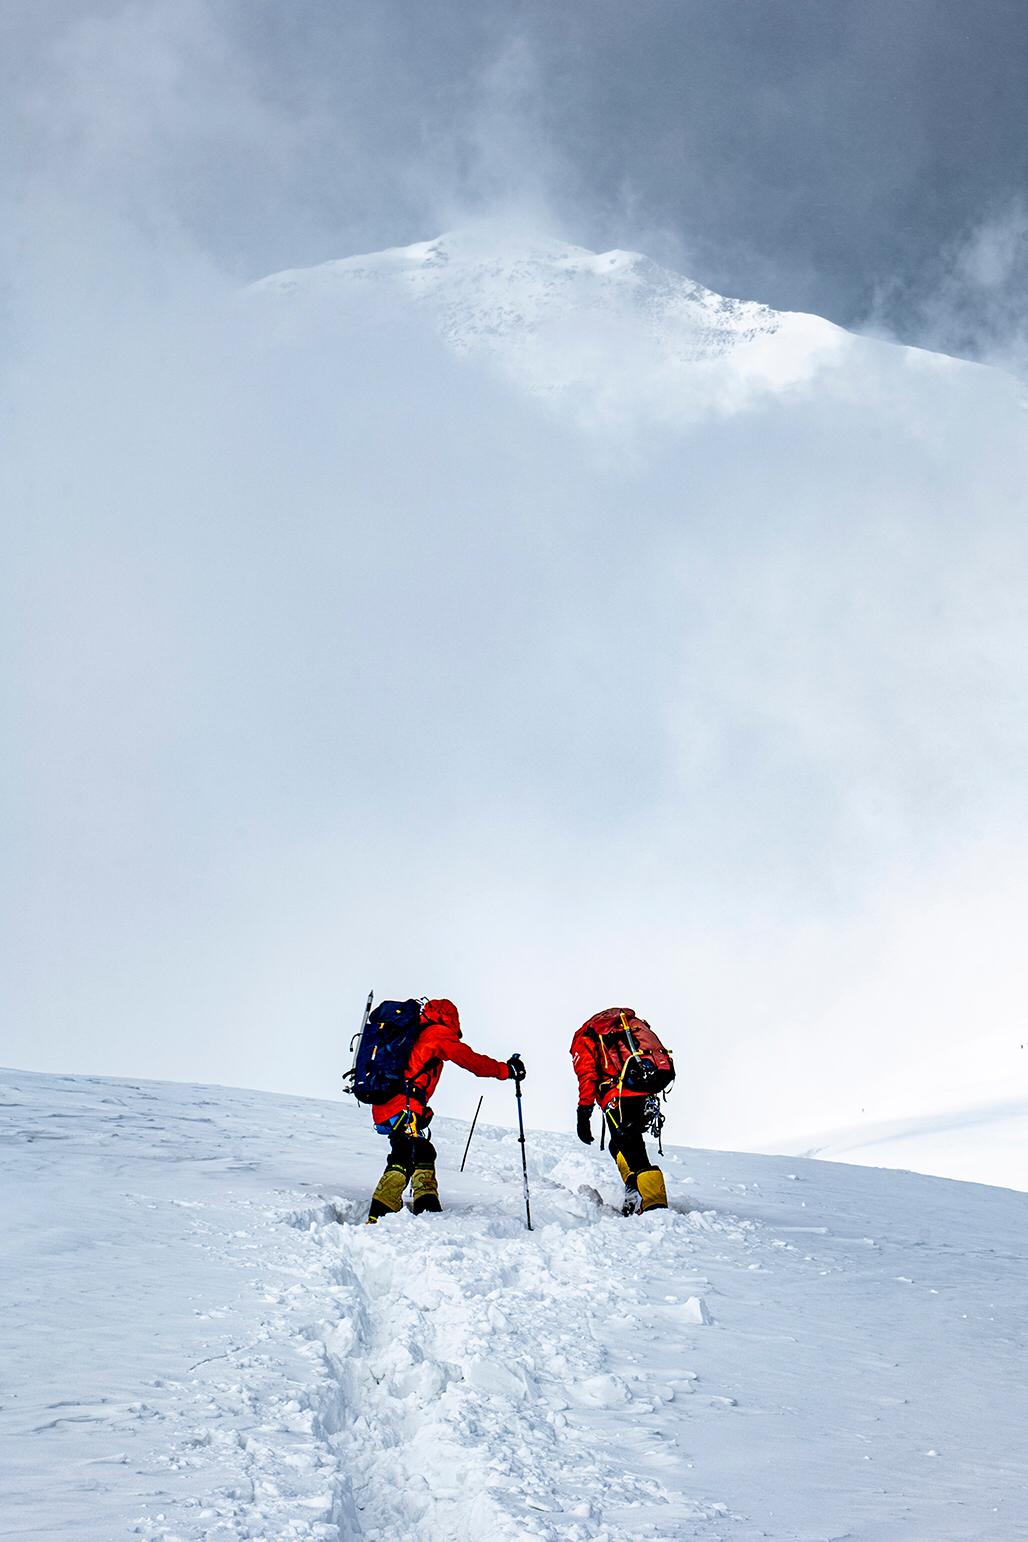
(585, 1128)
(516, 1067)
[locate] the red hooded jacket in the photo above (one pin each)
(440, 1040)
(593, 1087)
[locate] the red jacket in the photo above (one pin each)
(440, 1040)
(593, 1086)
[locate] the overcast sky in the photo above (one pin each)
(836, 158)
(341, 665)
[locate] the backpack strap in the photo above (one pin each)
(604, 1079)
(415, 1088)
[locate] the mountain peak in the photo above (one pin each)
(608, 329)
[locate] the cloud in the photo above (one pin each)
(811, 160)
(977, 301)
(336, 661)
(339, 662)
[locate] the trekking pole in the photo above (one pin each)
(470, 1133)
(524, 1161)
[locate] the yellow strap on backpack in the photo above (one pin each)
(633, 1055)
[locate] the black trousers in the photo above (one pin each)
(410, 1151)
(625, 1132)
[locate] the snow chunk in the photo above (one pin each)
(602, 1391)
(697, 1311)
(497, 1379)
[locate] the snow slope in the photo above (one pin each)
(597, 331)
(201, 1341)
(985, 1144)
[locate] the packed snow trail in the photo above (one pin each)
(201, 1339)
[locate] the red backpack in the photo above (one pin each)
(630, 1055)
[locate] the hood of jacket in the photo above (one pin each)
(443, 1012)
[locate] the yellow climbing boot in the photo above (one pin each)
(388, 1196)
(623, 1167)
(425, 1189)
(651, 1189)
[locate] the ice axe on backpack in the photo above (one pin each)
(349, 1077)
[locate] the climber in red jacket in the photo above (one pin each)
(407, 1116)
(620, 1064)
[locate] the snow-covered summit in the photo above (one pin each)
(561, 318)
(483, 291)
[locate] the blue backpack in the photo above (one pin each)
(384, 1047)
